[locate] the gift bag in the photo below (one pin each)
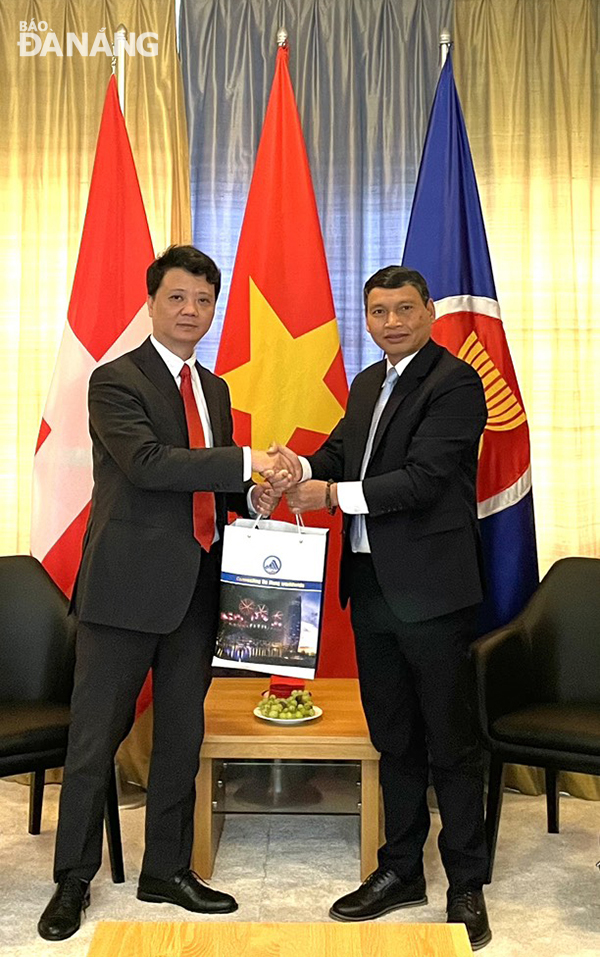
(272, 580)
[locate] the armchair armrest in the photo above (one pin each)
(502, 671)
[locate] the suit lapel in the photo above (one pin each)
(408, 381)
(370, 386)
(148, 360)
(213, 403)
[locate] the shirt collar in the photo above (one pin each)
(401, 365)
(173, 362)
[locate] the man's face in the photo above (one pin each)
(182, 311)
(399, 321)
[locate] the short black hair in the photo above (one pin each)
(394, 277)
(183, 257)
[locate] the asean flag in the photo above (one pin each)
(107, 316)
(280, 349)
(446, 242)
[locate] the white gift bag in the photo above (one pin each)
(272, 581)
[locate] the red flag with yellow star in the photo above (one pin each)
(280, 349)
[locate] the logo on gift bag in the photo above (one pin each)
(272, 565)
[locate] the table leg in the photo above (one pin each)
(369, 817)
(207, 824)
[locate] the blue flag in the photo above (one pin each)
(446, 242)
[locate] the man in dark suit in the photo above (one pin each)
(147, 592)
(402, 465)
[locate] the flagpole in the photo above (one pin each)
(118, 63)
(282, 37)
(445, 44)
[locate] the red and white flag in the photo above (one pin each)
(107, 316)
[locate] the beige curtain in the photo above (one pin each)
(527, 74)
(50, 110)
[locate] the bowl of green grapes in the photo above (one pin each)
(296, 709)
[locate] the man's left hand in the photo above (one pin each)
(307, 497)
(264, 498)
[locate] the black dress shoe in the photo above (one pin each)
(468, 908)
(382, 892)
(186, 890)
(62, 916)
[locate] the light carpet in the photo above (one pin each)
(544, 900)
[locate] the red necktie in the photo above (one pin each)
(203, 502)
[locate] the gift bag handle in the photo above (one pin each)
(299, 523)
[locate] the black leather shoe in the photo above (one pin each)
(62, 917)
(382, 892)
(186, 890)
(468, 908)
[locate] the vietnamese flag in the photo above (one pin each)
(280, 349)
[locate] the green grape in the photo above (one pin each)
(297, 706)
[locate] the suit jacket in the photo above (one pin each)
(140, 560)
(419, 484)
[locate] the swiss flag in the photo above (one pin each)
(107, 316)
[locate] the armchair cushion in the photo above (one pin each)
(29, 727)
(556, 727)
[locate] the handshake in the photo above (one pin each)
(279, 467)
(282, 472)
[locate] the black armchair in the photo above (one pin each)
(37, 657)
(538, 686)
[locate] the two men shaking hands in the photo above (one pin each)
(401, 464)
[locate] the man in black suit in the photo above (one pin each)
(402, 465)
(147, 592)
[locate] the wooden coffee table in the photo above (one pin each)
(233, 731)
(371, 939)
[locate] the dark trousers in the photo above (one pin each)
(110, 670)
(414, 682)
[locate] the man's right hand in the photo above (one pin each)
(278, 465)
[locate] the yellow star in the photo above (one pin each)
(282, 385)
